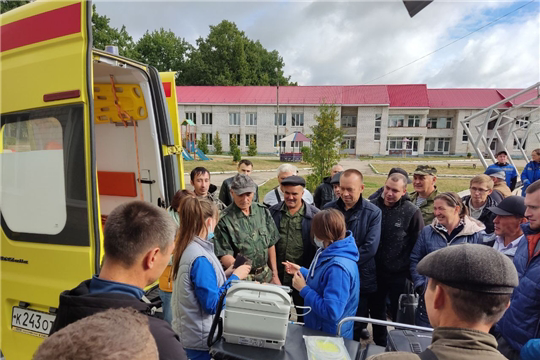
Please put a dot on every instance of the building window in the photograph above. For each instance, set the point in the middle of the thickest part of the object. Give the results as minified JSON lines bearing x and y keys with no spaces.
{"x":439,"y":123}
{"x":282,"y":119}
{"x":516,"y":145}
{"x":251,"y":119}
{"x":348,"y":143}
{"x":491,"y":124}
{"x":413,"y":121}
{"x":397,"y":144}
{"x":396,"y":120}
{"x":191,"y":116}
{"x":234,"y":118}
{"x":250,"y":137}
{"x":464,"y":136}
{"x":208,"y":138}
{"x":236,"y":137}
{"x":377,"y":134}
{"x":437,"y":145}
{"x":297,"y":119}
{"x":523,"y":123}
{"x":276,"y":139}
{"x":348,"y":121}
{"x":297,"y":144}
{"x":206,"y":118}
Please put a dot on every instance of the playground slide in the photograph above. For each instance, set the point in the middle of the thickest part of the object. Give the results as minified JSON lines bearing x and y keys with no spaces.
{"x":201,"y":155}
{"x":186,"y":155}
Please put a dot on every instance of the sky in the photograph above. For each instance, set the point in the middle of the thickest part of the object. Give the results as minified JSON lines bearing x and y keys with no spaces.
{"x":360,"y":42}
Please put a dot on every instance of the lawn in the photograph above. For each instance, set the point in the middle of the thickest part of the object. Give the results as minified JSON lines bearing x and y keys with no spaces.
{"x":413,"y":158}
{"x":461,"y":169}
{"x":226,"y":164}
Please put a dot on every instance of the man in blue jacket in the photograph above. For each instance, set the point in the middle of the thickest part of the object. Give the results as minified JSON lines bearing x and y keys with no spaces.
{"x":509,"y":169}
{"x":531,"y":173}
{"x":521,"y":321}
{"x":363,"y":219}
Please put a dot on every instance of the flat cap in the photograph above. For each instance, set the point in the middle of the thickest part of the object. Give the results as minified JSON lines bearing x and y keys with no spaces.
{"x":425,"y":170}
{"x":471,"y":267}
{"x":335,"y":178}
{"x":400,"y":171}
{"x":512,"y":205}
{"x":242,"y":184}
{"x":294,"y":181}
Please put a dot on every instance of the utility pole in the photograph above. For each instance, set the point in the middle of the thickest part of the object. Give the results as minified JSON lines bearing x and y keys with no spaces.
{"x":277,"y":115}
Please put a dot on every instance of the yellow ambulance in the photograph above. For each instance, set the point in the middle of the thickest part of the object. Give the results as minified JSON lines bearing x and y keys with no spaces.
{"x":81,"y":132}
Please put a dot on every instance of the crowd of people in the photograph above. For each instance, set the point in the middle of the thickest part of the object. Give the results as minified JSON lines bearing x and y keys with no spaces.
{"x":341,"y":253}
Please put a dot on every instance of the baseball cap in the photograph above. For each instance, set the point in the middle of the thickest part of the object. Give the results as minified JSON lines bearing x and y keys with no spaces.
{"x":400,"y":171}
{"x":425,"y":170}
{"x":512,"y":205}
{"x":242,"y":184}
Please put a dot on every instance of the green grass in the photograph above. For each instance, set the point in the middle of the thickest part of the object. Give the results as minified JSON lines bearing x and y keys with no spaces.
{"x":412,"y":158}
{"x":226,"y":164}
{"x":461,"y":169}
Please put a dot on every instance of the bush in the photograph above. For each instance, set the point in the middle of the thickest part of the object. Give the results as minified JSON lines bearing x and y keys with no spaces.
{"x":218,"y":148}
{"x":306,"y":152}
{"x":202,"y":144}
{"x":252,"y":150}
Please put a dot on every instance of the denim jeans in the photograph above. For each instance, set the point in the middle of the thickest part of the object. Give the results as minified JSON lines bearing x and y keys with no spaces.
{"x":166,"y":298}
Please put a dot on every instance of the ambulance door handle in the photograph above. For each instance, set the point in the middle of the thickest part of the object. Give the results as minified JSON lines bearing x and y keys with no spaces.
{"x":160,"y":203}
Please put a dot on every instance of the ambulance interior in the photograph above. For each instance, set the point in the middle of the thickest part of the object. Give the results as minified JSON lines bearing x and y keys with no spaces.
{"x":123,"y":153}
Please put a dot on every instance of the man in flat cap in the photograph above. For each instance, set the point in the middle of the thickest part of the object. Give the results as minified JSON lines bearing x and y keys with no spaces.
{"x":509,"y":169}
{"x":324,"y":193}
{"x":499,"y":182}
{"x":463,"y":308}
{"x":521,"y":321}
{"x":293,"y":218}
{"x":509,"y":216}
{"x":247,"y":228}
{"x":424,"y":179}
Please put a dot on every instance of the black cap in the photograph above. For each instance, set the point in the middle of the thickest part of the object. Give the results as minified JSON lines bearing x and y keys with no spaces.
{"x":400,"y":171}
{"x":471,"y":267}
{"x":335,"y":178}
{"x":502,"y":152}
{"x":294,"y":181}
{"x":512,"y":205}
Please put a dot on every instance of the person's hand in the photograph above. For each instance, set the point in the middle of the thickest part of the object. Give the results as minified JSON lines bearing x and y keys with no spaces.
{"x":291,"y":268}
{"x":275,"y":279}
{"x":229,"y":271}
{"x":298,"y":281}
{"x":242,"y":271}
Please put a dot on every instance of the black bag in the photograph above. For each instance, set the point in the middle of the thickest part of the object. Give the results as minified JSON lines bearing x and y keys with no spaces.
{"x":407,"y":305}
{"x":408,"y":341}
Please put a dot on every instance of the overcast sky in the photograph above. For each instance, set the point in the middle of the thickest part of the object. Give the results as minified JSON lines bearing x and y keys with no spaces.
{"x":357,"y":42}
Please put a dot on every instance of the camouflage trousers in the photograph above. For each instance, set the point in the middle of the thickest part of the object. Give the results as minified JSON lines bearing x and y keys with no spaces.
{"x":265,"y":276}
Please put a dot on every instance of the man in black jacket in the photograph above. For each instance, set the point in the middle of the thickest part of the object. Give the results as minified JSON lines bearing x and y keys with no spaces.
{"x":363,"y":219}
{"x":139,"y":240}
{"x":480,"y":200}
{"x":401,"y":224}
{"x":325,"y":191}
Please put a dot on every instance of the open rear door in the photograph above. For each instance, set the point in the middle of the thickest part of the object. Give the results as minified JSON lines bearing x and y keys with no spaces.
{"x":47,"y":170}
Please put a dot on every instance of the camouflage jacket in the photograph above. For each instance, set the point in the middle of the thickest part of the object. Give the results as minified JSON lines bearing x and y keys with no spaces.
{"x":427,"y":207}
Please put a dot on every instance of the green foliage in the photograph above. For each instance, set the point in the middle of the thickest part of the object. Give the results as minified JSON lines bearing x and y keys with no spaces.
{"x":306,"y":152}
{"x":162,"y":49}
{"x":103,"y":34}
{"x":228,"y":57}
{"x":6,"y":5}
{"x":234,"y":150}
{"x":252,"y":149}
{"x":218,"y":147}
{"x":202,"y":144}
{"x":325,"y":145}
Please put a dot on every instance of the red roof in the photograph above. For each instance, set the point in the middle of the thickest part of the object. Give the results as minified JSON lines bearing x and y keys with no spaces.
{"x":415,"y":96}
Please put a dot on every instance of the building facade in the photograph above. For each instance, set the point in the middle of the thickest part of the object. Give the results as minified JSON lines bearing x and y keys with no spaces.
{"x":377,"y":120}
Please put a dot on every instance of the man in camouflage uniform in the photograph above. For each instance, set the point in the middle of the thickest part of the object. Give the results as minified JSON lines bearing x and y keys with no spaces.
{"x":293,"y":219}
{"x":200,"y":180}
{"x":247,"y":228}
{"x":425,"y":177}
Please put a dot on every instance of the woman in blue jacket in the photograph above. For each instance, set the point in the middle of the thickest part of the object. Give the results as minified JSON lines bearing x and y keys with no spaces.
{"x":531,"y":173}
{"x":331,"y":285}
{"x":451,"y":226}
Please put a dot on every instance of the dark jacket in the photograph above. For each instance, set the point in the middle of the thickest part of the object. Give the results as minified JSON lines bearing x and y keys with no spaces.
{"x":487,"y":216}
{"x":530,"y":174}
{"x":309,"y":247}
{"x":510,"y":172}
{"x":400,"y":227}
{"x":225,"y":192}
{"x":324,"y":193}
{"x":521,"y":321}
{"x":332,"y":287}
{"x":79,"y":303}
{"x":365,"y":224}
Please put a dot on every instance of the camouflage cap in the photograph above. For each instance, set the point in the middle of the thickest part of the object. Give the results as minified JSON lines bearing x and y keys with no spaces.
{"x":425,"y":170}
{"x":242,"y":184}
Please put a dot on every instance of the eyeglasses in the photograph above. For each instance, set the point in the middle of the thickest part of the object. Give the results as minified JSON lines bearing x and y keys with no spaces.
{"x":474,"y":189}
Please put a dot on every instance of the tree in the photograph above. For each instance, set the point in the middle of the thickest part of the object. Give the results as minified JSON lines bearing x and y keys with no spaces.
{"x":325,"y":145}
{"x":252,"y":149}
{"x":103,"y":34}
{"x":218,"y":148}
{"x":228,"y":57}
{"x":162,"y":49}
{"x":6,"y":5}
{"x":234,"y":150}
{"x":202,"y":144}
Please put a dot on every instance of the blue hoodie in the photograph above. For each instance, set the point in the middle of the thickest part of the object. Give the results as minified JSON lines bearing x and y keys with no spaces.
{"x":333,"y":287}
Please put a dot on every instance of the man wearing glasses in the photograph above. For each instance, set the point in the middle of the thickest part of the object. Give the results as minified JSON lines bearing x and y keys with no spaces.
{"x":479,"y":201}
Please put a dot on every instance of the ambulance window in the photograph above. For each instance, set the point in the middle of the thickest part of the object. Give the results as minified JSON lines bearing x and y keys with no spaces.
{"x":42,"y":176}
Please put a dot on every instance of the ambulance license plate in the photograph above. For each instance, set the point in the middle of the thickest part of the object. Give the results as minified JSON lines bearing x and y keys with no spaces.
{"x":32,"y":322}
